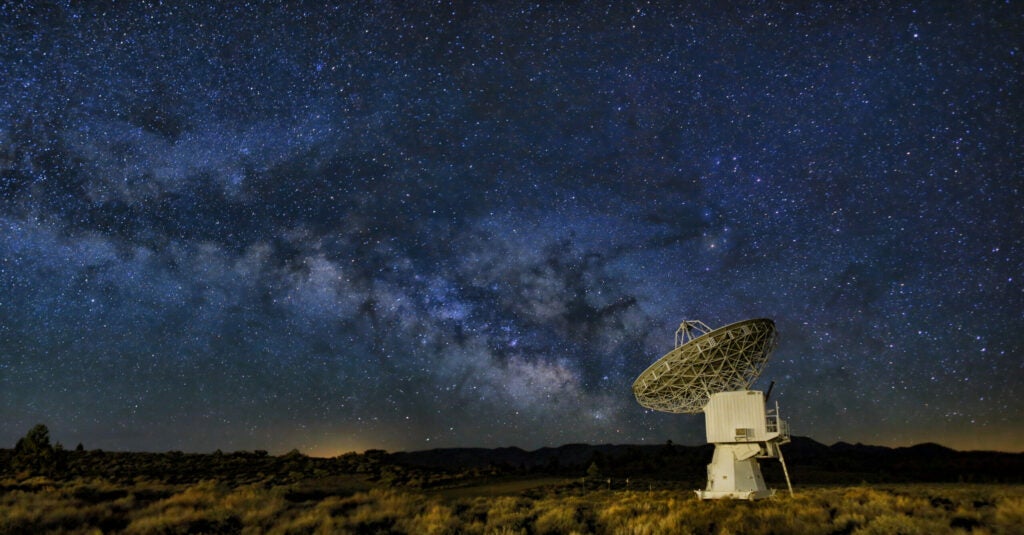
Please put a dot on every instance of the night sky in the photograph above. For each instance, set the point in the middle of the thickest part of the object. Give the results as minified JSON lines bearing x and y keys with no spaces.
{"x":404,"y":228}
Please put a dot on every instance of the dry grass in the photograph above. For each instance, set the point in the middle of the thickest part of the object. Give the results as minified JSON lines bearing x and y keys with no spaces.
{"x":98,"y":506}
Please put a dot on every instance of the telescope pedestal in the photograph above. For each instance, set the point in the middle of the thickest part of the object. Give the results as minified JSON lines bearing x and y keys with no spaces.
{"x":734,"y":473}
{"x":742,"y":430}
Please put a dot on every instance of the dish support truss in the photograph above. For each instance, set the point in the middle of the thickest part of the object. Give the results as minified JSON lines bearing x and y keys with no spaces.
{"x":704,"y":362}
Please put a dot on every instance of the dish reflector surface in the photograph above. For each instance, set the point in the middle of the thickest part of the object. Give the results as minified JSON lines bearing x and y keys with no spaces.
{"x":726,"y":359}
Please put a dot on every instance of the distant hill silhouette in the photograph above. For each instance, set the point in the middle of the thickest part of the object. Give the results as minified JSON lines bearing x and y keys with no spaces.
{"x":808,"y":461}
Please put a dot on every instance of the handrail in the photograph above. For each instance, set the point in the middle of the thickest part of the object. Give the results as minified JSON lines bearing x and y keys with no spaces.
{"x":775,"y":424}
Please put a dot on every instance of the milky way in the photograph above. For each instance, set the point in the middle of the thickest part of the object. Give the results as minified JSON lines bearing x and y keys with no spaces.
{"x":379,"y":226}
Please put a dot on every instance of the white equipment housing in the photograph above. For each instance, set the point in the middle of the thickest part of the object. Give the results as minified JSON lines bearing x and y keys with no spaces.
{"x":742,"y":431}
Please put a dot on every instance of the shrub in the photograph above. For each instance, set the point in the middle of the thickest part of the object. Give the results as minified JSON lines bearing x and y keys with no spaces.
{"x":194,"y":510}
{"x":434,"y":519}
{"x":559,"y":517}
{"x":505,"y":514}
{"x":1009,"y":515}
{"x":891,"y":523}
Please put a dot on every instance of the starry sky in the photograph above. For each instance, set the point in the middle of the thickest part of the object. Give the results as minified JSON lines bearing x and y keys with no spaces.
{"x":249,"y":226}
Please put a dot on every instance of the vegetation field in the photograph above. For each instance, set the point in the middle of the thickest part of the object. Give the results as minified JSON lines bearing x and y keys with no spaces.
{"x":40,"y":505}
{"x":45,"y":488}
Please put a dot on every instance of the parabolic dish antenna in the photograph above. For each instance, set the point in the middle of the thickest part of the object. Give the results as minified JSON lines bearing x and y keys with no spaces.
{"x":710,"y":371}
{"x":705,"y":362}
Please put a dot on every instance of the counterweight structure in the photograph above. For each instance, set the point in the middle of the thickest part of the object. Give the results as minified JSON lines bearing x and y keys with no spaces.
{"x":711,"y":371}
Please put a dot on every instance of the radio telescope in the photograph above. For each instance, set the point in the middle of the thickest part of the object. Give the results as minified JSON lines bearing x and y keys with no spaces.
{"x":710,"y":371}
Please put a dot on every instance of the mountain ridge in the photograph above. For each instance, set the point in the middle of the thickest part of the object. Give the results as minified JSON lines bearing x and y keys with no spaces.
{"x":840,"y":462}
